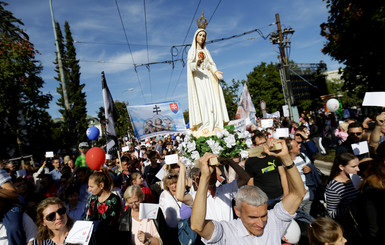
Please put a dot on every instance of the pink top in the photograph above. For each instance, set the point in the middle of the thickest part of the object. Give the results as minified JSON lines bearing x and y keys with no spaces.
{"x":341,"y":134}
{"x":146,"y":225}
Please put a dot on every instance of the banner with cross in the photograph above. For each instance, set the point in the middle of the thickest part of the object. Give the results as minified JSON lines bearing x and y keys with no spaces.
{"x":156,"y":119}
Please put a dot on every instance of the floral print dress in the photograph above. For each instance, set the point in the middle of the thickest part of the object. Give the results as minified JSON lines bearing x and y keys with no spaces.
{"x":107,"y":211}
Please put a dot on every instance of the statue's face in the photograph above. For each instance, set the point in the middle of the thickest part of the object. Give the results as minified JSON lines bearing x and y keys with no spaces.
{"x":201,"y":37}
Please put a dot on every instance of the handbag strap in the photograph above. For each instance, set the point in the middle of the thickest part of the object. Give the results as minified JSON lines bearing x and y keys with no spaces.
{"x":174,"y":199}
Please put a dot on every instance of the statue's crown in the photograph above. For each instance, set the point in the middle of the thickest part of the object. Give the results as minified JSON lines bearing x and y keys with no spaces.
{"x":202,"y":22}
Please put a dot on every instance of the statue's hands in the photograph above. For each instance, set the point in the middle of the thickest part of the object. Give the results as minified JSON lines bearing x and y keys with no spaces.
{"x":219,"y":74}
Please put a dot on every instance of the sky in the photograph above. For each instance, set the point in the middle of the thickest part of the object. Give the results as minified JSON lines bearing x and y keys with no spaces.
{"x":113,"y":35}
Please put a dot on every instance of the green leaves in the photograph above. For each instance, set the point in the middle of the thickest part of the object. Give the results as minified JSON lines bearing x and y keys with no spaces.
{"x":351,"y":34}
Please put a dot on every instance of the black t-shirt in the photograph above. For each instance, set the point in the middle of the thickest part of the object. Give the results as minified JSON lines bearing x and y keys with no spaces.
{"x":150,"y":172}
{"x":265,"y":174}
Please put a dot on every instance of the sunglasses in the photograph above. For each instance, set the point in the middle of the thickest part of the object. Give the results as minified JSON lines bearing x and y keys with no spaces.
{"x":172,"y":176}
{"x":52,"y":216}
{"x":358,"y":134}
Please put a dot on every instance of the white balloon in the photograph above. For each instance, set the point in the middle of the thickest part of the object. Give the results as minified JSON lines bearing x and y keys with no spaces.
{"x":293,"y":233}
{"x":332,"y":105}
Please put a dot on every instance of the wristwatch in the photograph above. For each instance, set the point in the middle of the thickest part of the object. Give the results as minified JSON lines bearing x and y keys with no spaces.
{"x":148,"y":241}
{"x":290,"y":166}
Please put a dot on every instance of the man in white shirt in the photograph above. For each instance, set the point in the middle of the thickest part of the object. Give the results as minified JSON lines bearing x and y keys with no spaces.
{"x":219,"y":199}
{"x":256,"y":225}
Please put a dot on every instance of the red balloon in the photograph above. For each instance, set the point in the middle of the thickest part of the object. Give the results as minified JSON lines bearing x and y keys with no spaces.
{"x":95,"y":158}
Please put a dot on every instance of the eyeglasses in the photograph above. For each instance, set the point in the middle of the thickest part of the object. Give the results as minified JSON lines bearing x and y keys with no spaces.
{"x":172,"y":176}
{"x":353,"y":133}
{"x":52,"y":216}
{"x":133,"y":203}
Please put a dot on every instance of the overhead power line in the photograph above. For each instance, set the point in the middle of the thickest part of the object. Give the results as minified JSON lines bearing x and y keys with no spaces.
{"x":129,"y":48}
{"x":184,"y":40}
{"x":148,"y":53}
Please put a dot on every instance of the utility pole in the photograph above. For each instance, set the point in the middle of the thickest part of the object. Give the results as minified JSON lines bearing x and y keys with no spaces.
{"x":284,"y":42}
{"x":59,"y":60}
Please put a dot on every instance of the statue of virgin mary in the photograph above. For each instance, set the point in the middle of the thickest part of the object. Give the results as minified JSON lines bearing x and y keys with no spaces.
{"x":207,"y":107}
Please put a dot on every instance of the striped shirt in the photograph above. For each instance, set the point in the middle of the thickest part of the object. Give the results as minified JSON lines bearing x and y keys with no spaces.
{"x":339,"y":196}
{"x":44,"y":242}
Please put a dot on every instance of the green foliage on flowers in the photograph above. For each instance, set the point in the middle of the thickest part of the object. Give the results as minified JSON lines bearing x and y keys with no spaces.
{"x":228,"y":143}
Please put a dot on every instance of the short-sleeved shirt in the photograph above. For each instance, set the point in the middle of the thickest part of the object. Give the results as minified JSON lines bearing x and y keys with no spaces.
{"x":220,"y":207}
{"x":150,"y":172}
{"x":234,"y":232}
{"x":170,"y":208}
{"x":81,"y":161}
{"x":266,"y":175}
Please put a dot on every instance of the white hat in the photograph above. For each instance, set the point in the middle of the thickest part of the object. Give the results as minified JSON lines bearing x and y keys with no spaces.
{"x":83,"y":144}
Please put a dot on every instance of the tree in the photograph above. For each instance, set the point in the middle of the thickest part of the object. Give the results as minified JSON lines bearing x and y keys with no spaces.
{"x":25,"y":123}
{"x":353,"y":38}
{"x":264,"y":83}
{"x":75,"y":119}
{"x":122,"y":123}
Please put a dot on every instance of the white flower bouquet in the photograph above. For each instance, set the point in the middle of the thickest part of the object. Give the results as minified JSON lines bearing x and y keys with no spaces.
{"x":227,"y":143}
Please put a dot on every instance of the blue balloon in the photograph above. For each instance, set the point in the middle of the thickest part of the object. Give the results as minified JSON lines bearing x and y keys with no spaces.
{"x":92,"y":133}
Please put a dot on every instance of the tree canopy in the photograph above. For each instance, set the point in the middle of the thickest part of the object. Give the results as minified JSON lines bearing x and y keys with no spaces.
{"x":75,"y":119}
{"x":353,"y":32}
{"x":26,"y":125}
{"x":264,"y":83}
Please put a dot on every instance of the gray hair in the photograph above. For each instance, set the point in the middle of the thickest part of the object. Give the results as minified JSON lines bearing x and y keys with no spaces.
{"x":132,"y":191}
{"x":251,"y":195}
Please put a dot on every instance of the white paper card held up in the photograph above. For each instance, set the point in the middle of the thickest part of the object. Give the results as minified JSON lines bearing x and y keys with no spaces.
{"x":49,"y":154}
{"x":148,"y":210}
{"x":267,"y":123}
{"x":125,"y":148}
{"x":146,"y":163}
{"x":171,"y":159}
{"x":80,"y":232}
{"x":360,"y":148}
{"x":160,"y":174}
{"x":282,"y":132}
{"x":374,"y":99}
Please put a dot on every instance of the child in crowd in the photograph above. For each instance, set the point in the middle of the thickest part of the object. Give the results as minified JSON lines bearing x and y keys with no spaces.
{"x":342,"y":132}
{"x":323,"y":231}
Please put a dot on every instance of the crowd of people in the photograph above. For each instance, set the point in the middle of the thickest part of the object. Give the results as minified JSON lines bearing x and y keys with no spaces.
{"x":246,"y":201}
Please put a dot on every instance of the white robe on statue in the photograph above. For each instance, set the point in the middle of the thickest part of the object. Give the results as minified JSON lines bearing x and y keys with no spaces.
{"x":207,"y":107}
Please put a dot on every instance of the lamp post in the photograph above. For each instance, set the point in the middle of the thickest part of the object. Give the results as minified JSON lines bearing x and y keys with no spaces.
{"x":282,"y":39}
{"x":59,"y":60}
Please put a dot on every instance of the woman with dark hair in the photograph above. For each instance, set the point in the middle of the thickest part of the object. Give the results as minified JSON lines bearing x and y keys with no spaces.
{"x":340,"y":193}
{"x":52,"y":221}
{"x":373,"y":199}
{"x":324,"y":231}
{"x":103,"y":206}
